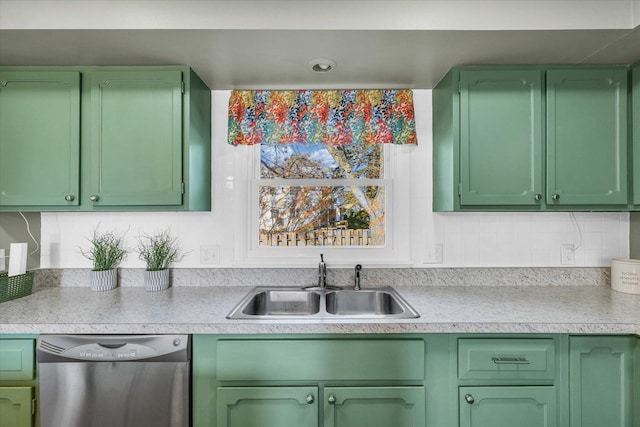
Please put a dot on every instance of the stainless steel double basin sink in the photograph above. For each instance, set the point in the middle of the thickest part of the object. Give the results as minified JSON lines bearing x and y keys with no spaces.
{"x":322,"y":303}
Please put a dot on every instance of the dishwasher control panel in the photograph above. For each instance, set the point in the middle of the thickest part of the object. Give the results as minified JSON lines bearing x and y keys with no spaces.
{"x":112,"y":348}
{"x":98,"y":351}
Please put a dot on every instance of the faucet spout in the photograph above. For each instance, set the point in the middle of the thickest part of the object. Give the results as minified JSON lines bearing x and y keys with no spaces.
{"x":356,"y":284}
{"x":322,"y":273}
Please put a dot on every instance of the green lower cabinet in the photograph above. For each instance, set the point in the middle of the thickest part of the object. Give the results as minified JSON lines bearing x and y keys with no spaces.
{"x":601,"y":386}
{"x":15,"y":406}
{"x":267,"y":407}
{"x":17,"y":359}
{"x":508,"y":406}
{"x":374,"y":407}
{"x":416,"y":380}
{"x":299,"y":406}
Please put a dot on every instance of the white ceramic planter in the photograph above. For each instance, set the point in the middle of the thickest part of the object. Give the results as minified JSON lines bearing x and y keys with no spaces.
{"x":104,"y":280}
{"x":157,"y":280}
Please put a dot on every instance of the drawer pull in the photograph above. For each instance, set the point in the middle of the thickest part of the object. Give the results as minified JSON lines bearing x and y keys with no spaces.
{"x":310,"y":398}
{"x":510,"y":360}
{"x":469,"y":398}
{"x":331,"y":399}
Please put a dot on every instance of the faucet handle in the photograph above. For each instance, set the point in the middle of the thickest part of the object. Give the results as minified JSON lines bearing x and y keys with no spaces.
{"x":356,"y":284}
{"x":322,"y":272}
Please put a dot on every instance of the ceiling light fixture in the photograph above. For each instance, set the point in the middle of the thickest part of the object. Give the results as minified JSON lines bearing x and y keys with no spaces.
{"x":321,"y":65}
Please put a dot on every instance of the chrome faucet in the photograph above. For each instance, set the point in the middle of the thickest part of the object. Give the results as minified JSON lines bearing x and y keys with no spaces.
{"x":356,"y":284}
{"x":322,"y":273}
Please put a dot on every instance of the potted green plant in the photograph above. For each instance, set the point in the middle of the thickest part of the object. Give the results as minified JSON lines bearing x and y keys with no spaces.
{"x":107,"y":251}
{"x":158,"y":251}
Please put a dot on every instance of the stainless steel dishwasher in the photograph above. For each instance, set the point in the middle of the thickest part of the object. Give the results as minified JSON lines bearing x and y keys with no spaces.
{"x":114,"y":380}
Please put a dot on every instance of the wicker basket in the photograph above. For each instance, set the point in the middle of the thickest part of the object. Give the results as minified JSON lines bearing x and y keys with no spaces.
{"x":15,"y":286}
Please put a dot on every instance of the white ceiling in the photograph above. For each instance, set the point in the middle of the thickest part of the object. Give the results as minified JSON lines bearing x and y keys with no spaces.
{"x":268,"y":44}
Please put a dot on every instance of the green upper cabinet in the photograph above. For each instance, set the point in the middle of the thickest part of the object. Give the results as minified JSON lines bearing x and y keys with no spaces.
{"x":531,"y":138}
{"x":134,"y":138}
{"x":635,"y":129}
{"x":39,"y":138}
{"x":500,"y":137}
{"x":587,"y":137}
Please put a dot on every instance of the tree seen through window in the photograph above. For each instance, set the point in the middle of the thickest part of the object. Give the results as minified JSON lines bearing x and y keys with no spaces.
{"x":321,"y":195}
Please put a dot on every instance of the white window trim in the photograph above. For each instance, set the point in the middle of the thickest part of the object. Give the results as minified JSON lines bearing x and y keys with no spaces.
{"x":395,"y":252}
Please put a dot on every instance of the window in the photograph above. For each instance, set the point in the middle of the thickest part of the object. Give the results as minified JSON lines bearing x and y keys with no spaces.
{"x":323,"y":173}
{"x":321,"y":195}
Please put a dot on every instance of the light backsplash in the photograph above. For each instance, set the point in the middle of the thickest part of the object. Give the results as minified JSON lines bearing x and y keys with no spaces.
{"x":344,"y":277}
{"x":466,"y":239}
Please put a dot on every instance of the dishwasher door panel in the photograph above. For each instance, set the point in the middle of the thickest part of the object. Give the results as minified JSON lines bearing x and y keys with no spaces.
{"x":108,"y":394}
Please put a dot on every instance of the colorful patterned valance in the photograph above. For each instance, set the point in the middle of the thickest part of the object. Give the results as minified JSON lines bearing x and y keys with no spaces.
{"x":336,"y":117}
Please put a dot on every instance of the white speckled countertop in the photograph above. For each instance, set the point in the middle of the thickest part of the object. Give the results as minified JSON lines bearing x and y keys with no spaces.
{"x":443,"y":309}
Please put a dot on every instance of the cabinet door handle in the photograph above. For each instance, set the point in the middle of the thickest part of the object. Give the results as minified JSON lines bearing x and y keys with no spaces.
{"x":331,"y":399}
{"x":69,"y":197}
{"x":538,"y":196}
{"x":510,"y":360}
{"x":469,"y":398}
{"x":94,"y":198}
{"x":310,"y":398}
{"x":556,"y":196}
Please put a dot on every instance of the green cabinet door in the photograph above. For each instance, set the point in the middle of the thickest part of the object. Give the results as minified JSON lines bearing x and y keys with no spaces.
{"x":136,"y":138}
{"x":587,"y":137}
{"x":601,"y":381}
{"x":503,"y":406}
{"x":374,"y":407}
{"x":39,"y":138}
{"x":267,"y":407}
{"x":15,"y":406}
{"x":501,"y":137}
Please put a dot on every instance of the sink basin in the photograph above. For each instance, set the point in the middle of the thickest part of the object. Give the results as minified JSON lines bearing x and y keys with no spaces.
{"x":282,"y":303}
{"x":317,"y":303}
{"x":362,"y":303}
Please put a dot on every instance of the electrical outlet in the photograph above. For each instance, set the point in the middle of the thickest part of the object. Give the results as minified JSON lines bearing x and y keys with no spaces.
{"x":434,"y":254}
{"x":567,"y":254}
{"x":209,"y":254}
{"x":3,"y":266}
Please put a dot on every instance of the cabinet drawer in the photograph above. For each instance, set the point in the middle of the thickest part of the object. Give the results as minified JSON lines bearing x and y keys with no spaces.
{"x":301,"y":360}
{"x":16,"y":359}
{"x":506,"y":359}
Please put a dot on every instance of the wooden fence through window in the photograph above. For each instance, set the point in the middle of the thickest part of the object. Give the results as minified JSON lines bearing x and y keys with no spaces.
{"x":327,"y":237}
